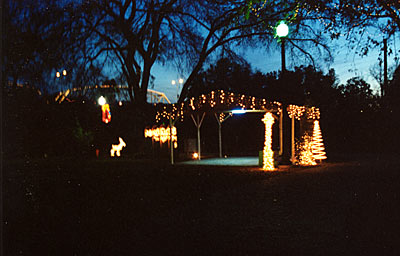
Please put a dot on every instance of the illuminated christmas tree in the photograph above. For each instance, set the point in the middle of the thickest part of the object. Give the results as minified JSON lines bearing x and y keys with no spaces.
{"x":305,"y":155}
{"x":318,"y":148}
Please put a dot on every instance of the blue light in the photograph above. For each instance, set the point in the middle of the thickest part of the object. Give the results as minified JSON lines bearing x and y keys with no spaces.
{"x":238,"y":111}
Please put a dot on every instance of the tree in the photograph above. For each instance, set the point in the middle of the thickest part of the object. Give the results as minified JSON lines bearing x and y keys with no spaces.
{"x":356,"y":88}
{"x":393,"y":92}
{"x":358,"y":21}
{"x":132,"y":35}
{"x":227,"y":75}
{"x":138,"y":33}
{"x":230,"y":24}
{"x":40,"y":38}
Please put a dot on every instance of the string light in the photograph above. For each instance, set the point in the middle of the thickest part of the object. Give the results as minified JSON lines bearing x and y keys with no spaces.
{"x":298,"y":111}
{"x":318,"y":148}
{"x":216,"y":101}
{"x":268,"y":154}
{"x":305,"y":154}
{"x":162,"y":134}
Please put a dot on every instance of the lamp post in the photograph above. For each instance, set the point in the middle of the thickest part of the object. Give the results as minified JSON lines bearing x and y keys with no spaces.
{"x":282,"y":31}
{"x":101,"y":101}
{"x":180,"y":82}
{"x":63,"y":73}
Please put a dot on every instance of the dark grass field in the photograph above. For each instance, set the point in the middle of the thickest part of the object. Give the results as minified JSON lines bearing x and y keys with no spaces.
{"x":77,"y":207}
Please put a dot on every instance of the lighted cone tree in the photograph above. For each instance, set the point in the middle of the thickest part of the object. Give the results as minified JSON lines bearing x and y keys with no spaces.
{"x":318,"y":148}
{"x":268,"y":154}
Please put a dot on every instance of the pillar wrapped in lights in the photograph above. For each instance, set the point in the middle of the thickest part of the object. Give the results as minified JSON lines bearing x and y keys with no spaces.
{"x":318,"y":148}
{"x":268,"y":154}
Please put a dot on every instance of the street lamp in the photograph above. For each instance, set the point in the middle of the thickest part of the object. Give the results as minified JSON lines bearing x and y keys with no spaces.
{"x":282,"y":31}
{"x":180,"y":82}
{"x":101,"y":101}
{"x":58,"y":75}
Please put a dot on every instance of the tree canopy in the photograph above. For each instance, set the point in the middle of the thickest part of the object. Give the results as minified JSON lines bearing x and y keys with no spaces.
{"x":123,"y":39}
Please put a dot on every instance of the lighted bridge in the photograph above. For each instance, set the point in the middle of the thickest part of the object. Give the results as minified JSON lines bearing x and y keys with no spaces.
{"x":120,"y":91}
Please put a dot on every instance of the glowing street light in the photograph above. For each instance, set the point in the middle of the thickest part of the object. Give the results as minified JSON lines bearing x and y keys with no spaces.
{"x":282,"y":31}
{"x":58,"y":74}
{"x":180,"y":82}
{"x":102,"y":101}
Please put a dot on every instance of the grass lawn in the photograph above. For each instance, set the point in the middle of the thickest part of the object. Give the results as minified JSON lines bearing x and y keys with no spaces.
{"x":77,"y":207}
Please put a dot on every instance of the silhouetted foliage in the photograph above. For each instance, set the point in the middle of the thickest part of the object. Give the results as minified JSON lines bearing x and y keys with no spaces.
{"x":226,"y":75}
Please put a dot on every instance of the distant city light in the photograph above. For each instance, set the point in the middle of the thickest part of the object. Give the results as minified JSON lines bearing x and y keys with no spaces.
{"x":195,"y":155}
{"x":64,"y":72}
{"x":173,"y":82}
{"x":58,"y":74}
{"x":180,"y":80}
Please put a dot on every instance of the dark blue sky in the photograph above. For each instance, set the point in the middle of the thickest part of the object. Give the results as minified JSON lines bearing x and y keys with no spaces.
{"x":347,"y":64}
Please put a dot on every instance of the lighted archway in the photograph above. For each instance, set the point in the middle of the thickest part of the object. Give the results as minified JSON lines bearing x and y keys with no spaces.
{"x":222,"y":105}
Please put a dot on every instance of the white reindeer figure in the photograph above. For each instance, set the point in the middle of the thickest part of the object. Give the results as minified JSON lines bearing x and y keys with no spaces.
{"x":116,"y":149}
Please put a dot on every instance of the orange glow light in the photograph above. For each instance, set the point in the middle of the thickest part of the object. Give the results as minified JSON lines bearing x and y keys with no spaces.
{"x":106,"y":113}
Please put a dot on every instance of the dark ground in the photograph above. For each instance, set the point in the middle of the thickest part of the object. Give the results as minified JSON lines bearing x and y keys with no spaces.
{"x":124,"y":207}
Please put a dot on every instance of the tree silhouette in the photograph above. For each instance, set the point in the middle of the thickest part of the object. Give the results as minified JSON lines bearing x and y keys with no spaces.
{"x":41,"y":38}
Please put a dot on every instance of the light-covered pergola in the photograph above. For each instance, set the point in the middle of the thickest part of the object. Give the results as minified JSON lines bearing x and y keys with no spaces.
{"x":222,"y":105}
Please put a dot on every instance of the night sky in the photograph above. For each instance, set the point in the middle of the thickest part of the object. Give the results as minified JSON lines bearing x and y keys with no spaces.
{"x":347,"y":64}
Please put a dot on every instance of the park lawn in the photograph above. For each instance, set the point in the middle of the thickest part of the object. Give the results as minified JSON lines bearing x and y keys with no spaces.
{"x":111,"y":207}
